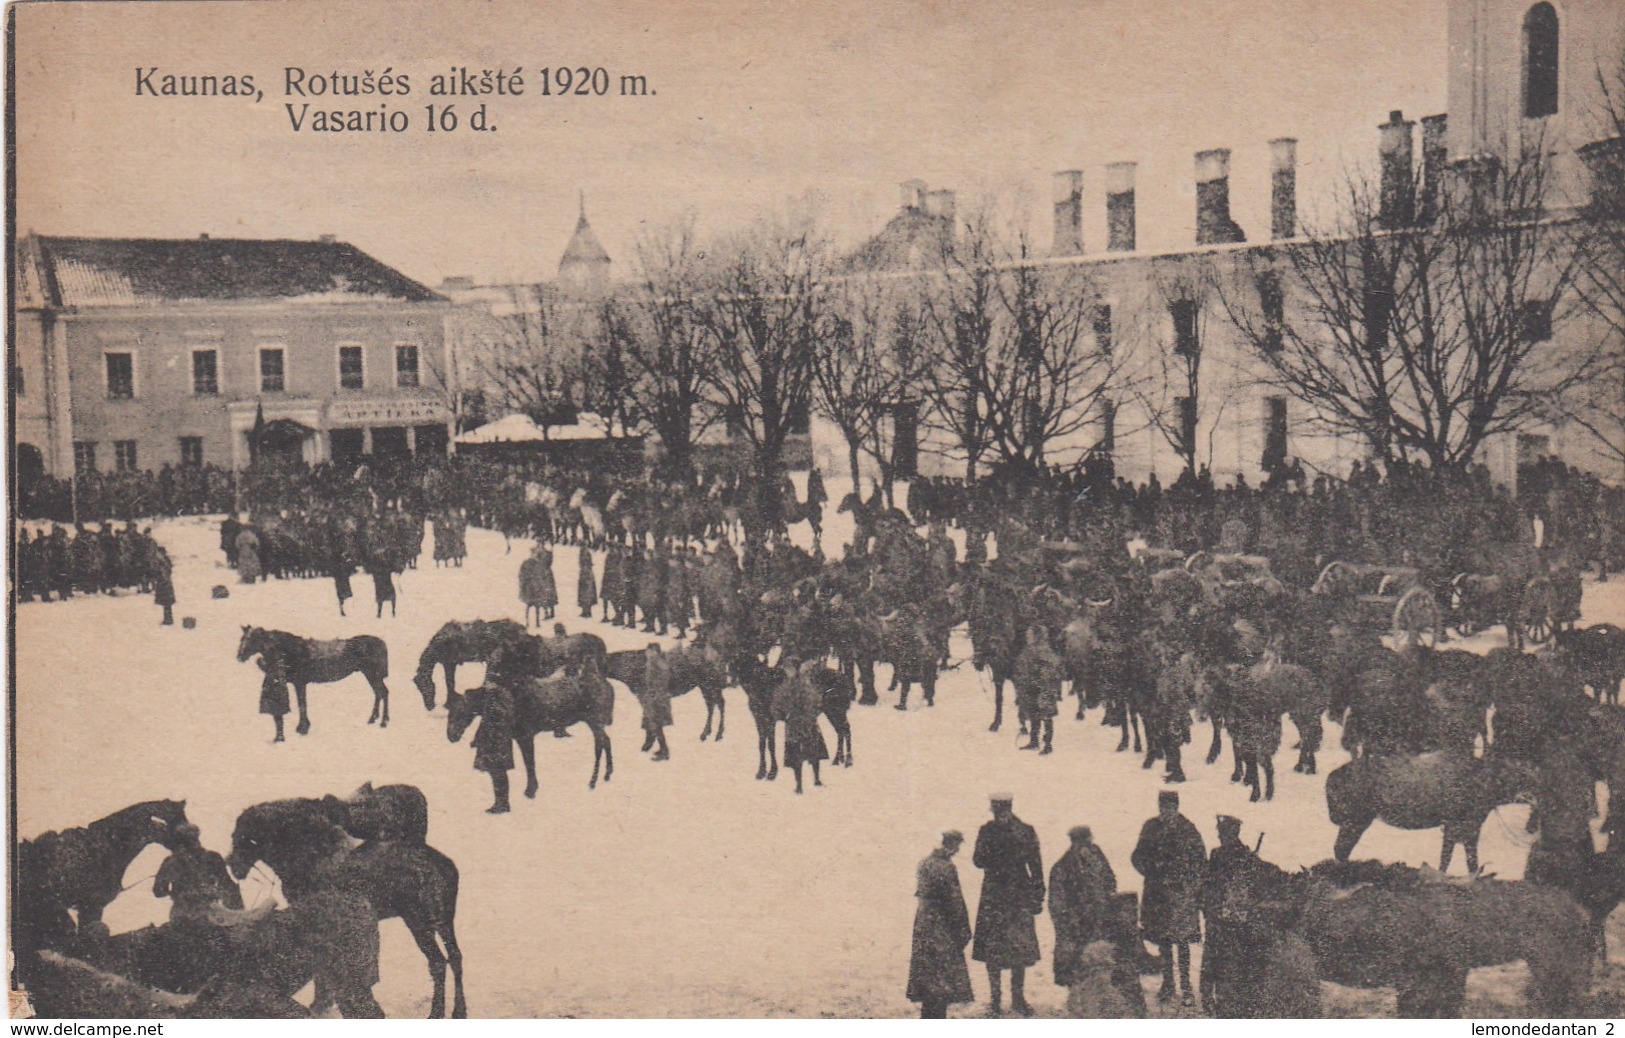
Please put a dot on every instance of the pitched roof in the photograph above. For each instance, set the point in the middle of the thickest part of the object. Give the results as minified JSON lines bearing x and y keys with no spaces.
{"x":911,"y":239}
{"x":92,"y":272}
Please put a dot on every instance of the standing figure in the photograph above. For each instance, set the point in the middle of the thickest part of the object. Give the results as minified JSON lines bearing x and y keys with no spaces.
{"x":248,"y":555}
{"x":586,"y":586}
{"x":1081,"y":885}
{"x":657,"y":679}
{"x":493,"y":744}
{"x":341,"y":560}
{"x":163,"y":584}
{"x":612,"y":583}
{"x":1038,"y":679}
{"x":537,"y":588}
{"x":229,"y":529}
{"x":1172,"y":858}
{"x":274,"y":694}
{"x":383,"y":584}
{"x":651,"y":589}
{"x":797,"y":703}
{"x":937,"y":975}
{"x":1229,"y":859}
{"x":1012,"y":894}
{"x":195,"y":880}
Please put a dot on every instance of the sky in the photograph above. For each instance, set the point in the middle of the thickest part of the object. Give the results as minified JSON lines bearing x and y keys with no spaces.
{"x":749,"y":104}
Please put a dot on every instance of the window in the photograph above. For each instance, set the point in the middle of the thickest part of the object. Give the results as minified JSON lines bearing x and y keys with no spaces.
{"x":124,"y":455}
{"x":1272,"y":301}
{"x":192,"y":452}
{"x":1540,"y":62}
{"x":273,"y":376}
{"x":1274,"y":433}
{"x":1103,"y":329}
{"x":351,"y":375}
{"x":120,"y":375}
{"x":406,"y":366}
{"x":1535,"y":321}
{"x":1186,"y":406}
{"x":1186,"y":341}
{"x":19,"y":380}
{"x":205,"y":372}
{"x":346,"y":445}
{"x":84,"y":457}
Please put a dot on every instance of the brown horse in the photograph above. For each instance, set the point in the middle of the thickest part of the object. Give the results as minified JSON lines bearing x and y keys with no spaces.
{"x":549,"y":704}
{"x":306,"y":661}
{"x":1370,"y":925}
{"x":696,"y":666}
{"x":1426,"y":791}
{"x":458,"y":642}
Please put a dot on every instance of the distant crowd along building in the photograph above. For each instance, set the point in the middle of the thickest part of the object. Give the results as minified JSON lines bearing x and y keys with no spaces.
{"x":1518,"y":73}
{"x":135,"y":353}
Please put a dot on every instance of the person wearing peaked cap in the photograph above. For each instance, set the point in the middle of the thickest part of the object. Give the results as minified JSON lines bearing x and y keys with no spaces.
{"x":1081,"y":885}
{"x":1172,"y":858}
{"x":937,"y":975}
{"x":1012,"y":894}
{"x":1228,"y":860}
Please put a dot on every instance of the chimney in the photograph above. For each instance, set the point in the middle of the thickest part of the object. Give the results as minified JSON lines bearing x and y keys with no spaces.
{"x":1283,"y":188}
{"x":457,"y":283}
{"x":204,"y":236}
{"x":940,"y":203}
{"x":1397,"y":151}
{"x":1435,"y":157}
{"x":913,"y":192}
{"x":1120,"y":207}
{"x":328,"y":239}
{"x":1068,"y":213}
{"x":1213,"y":223}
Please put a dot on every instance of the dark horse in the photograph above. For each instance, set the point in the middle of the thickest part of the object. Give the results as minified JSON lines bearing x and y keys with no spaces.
{"x":80,"y":871}
{"x":304,"y":661}
{"x":693,"y":667}
{"x":549,"y":704}
{"x":760,"y":682}
{"x":1370,"y":925}
{"x":313,"y":857}
{"x":460,"y":641}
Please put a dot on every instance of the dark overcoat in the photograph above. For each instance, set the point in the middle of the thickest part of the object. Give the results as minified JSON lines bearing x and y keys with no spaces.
{"x":586,"y":586}
{"x":936,"y":965}
{"x":1081,"y":884}
{"x":657,"y":682}
{"x":536,"y":584}
{"x":1038,"y":679}
{"x":273,"y":690}
{"x":493,"y":742}
{"x":1012,"y":893}
{"x":798,"y":702}
{"x":1173,"y":860}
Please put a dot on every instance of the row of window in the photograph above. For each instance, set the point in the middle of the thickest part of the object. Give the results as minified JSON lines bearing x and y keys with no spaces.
{"x":125,"y":457}
{"x":273,"y":370}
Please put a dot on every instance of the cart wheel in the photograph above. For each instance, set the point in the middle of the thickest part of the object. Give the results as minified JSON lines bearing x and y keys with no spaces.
{"x":1538,"y":610}
{"x":1198,"y":561}
{"x":1417,"y":619}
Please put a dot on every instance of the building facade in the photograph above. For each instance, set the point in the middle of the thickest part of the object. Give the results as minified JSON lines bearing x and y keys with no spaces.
{"x":131,"y":354}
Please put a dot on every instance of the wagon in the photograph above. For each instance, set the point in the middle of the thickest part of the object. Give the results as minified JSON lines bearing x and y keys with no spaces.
{"x":1526,"y":591}
{"x":1394,"y":599}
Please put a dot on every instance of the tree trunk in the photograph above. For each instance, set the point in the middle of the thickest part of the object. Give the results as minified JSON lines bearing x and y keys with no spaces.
{"x":852,"y":460}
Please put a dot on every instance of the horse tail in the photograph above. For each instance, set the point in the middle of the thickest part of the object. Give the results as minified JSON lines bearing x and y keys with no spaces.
{"x":376,"y":653}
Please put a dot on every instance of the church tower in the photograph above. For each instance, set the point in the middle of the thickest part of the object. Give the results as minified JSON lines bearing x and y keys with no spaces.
{"x":584,"y":267}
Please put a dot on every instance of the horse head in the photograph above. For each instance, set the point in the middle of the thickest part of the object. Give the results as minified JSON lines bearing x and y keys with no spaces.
{"x":290,"y":836}
{"x":158,"y":821}
{"x":461,"y":709}
{"x":250,"y":643}
{"x":1256,"y":894}
{"x":424,"y":680}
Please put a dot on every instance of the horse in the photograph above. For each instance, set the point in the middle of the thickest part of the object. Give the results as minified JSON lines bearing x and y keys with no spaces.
{"x":64,"y":986}
{"x":1595,"y":880}
{"x":1597,"y":656}
{"x":306,"y":661}
{"x":312,"y":857}
{"x":329,"y":937}
{"x":457,"y":642}
{"x":537,"y":656}
{"x":393,"y":812}
{"x":695,"y":666}
{"x":81,"y":871}
{"x":1370,"y":925}
{"x":548,"y":704}
{"x":995,"y":634}
{"x":760,"y":682}
{"x":1441,"y":789}
{"x":912,"y":652}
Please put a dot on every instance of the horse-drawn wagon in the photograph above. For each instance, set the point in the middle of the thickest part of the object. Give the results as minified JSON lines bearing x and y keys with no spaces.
{"x":1376,"y":598}
{"x":1521,"y":588}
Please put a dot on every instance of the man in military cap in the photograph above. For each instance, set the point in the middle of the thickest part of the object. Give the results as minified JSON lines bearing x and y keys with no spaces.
{"x":1012,"y":894}
{"x":1081,"y":884}
{"x":1228,"y":859}
{"x":1171,"y":857}
{"x":936,"y":968}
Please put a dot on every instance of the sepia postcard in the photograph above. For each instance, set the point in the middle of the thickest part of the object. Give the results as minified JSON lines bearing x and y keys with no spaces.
{"x":843,"y":509}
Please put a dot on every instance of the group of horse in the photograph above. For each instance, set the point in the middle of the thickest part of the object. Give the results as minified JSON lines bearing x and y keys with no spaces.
{"x":344,"y":864}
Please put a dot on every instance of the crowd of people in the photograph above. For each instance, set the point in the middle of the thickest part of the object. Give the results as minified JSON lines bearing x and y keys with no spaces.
{"x":103,"y":561}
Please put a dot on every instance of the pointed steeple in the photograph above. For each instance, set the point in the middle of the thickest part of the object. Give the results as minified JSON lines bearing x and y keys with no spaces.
{"x":584,"y":265}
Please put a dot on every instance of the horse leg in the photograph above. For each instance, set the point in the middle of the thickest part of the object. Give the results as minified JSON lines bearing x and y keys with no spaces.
{"x":817,"y":781}
{"x":1348,"y":834}
{"x":1268,"y":764}
{"x":929,"y":684}
{"x":998,"y":704}
{"x":722,"y":713}
{"x":381,"y":693}
{"x":451,"y":678}
{"x":762,"y":738}
{"x":845,"y":732}
{"x":1122,"y":744}
{"x":902,"y":699}
{"x":1214,"y":750}
{"x":1134,"y":721}
{"x":609,"y":752}
{"x":423,"y":934}
{"x":527,"y":750}
{"x":454,"y":957}
{"x":304,"y":718}
{"x":797,"y":768}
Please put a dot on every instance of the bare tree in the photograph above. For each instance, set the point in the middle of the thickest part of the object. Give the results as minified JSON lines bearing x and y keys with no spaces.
{"x":764,"y":315}
{"x":607,"y":374}
{"x":527,"y":355}
{"x":1422,"y":338}
{"x":1017,"y":371}
{"x":1170,"y":392}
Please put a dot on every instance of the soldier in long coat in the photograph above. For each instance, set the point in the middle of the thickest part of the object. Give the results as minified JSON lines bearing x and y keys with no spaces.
{"x":163,"y":585}
{"x":1012,"y":894}
{"x":679,"y":604}
{"x":1038,"y":679}
{"x":274,"y":694}
{"x":631,"y":578}
{"x":493,"y":744}
{"x":586,"y":585}
{"x":1081,"y":885}
{"x":1172,"y":858}
{"x":937,"y":975}
{"x":797,"y":703}
{"x":651,"y":592}
{"x":612,"y":582}
{"x":656,"y":701}
{"x":1230,"y":858}
{"x":195,"y":880}
{"x":537,"y":588}
{"x":248,"y":555}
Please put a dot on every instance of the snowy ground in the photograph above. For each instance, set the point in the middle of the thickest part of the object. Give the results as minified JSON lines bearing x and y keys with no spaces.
{"x":683,"y":888}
